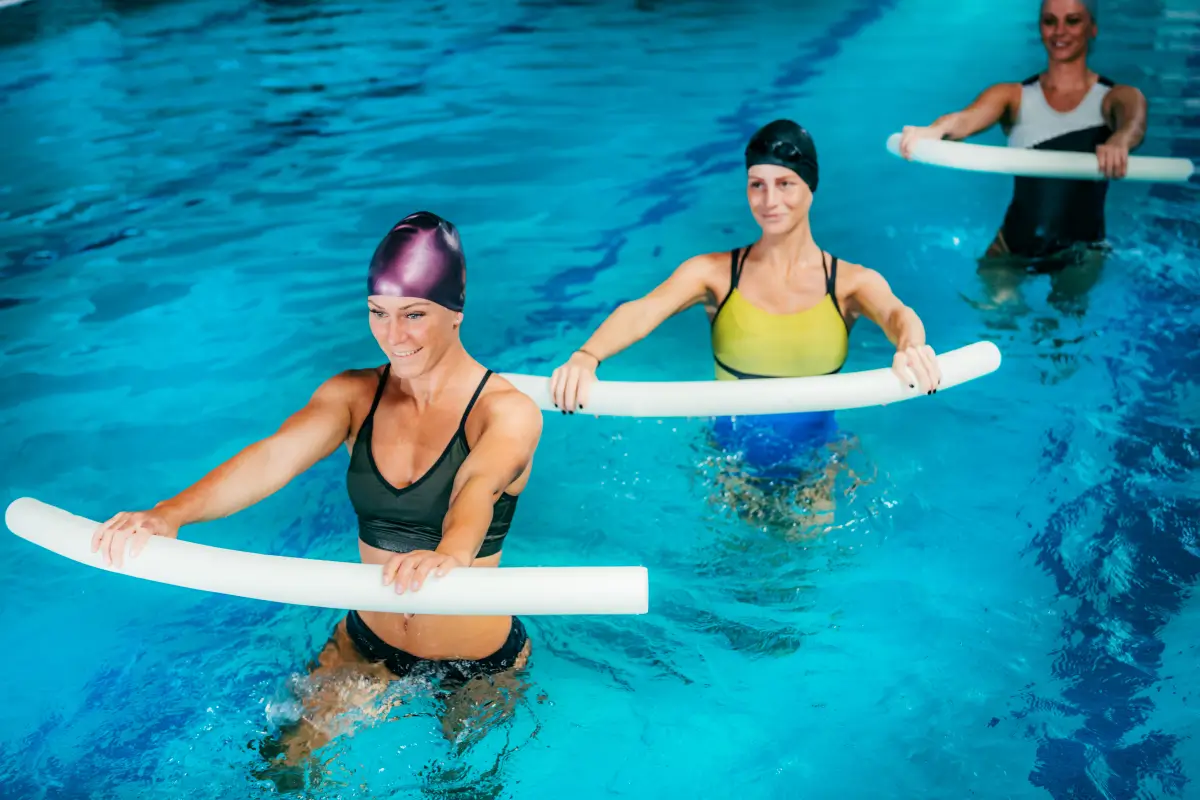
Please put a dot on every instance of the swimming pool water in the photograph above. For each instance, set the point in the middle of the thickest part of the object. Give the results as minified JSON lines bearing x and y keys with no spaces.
{"x":189,"y":192}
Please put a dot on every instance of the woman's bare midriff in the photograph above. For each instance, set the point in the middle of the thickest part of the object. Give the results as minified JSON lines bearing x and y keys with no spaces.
{"x":434,"y":636}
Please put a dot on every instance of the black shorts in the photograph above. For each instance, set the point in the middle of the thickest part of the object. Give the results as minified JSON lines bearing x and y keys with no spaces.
{"x":459,"y":671}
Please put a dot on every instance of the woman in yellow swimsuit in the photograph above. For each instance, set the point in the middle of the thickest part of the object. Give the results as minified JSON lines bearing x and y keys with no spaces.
{"x":782,"y":307}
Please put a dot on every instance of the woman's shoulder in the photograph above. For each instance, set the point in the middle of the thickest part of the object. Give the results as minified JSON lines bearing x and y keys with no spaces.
{"x":359,"y":375}
{"x":848,"y":270}
{"x":502,"y":403}
{"x":353,"y":384}
{"x":852,"y":276}
{"x":501,"y":396}
{"x":708,"y":265}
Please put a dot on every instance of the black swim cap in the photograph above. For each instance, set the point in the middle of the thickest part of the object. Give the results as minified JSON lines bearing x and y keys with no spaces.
{"x":784,"y":144}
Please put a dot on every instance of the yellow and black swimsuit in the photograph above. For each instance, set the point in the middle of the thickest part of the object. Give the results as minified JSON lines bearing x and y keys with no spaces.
{"x":748,"y":342}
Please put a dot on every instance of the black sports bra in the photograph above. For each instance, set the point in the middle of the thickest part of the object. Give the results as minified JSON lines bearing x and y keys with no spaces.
{"x":411,"y":518}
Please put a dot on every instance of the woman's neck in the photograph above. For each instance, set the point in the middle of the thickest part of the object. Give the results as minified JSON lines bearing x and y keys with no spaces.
{"x":446,"y":374}
{"x":794,"y":249}
{"x":1067,"y":75}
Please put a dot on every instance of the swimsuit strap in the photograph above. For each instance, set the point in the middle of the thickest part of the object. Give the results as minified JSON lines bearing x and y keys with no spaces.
{"x":830,"y":271}
{"x":735,"y":272}
{"x":735,"y":266}
{"x":831,"y":282}
{"x":462,"y":425}
{"x":383,"y":376}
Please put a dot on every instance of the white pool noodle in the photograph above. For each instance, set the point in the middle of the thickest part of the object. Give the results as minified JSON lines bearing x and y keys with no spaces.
{"x":773,"y":396}
{"x":337,"y":584}
{"x":1038,"y":163}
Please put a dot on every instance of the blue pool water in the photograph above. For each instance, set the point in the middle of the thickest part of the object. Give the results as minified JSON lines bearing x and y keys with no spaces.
{"x":1001,"y":606}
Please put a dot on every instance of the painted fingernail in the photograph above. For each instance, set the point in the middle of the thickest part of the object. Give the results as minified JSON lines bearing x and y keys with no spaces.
{"x":912,"y":386}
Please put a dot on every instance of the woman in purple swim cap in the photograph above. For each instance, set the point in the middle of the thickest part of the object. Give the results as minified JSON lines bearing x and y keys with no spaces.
{"x":440,"y":448}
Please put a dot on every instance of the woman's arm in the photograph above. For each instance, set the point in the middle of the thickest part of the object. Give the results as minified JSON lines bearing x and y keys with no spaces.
{"x":992,"y":105}
{"x":631,"y":322}
{"x":1126,"y":109}
{"x":512,"y":426}
{"x":258,"y":471}
{"x":914,"y":363}
{"x":265,"y":467}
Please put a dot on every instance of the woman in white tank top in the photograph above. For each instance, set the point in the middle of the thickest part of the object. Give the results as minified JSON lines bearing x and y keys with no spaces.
{"x":1066,"y":107}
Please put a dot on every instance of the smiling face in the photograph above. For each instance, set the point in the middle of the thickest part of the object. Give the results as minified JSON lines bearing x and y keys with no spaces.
{"x":778,"y":198}
{"x":413,"y":333}
{"x":1067,"y":29}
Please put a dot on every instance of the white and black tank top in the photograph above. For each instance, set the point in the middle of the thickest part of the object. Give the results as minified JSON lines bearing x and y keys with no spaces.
{"x":1048,"y":215}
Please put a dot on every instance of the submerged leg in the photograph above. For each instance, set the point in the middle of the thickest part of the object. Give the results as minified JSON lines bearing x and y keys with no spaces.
{"x":475,"y":707}
{"x":1070,"y":286}
{"x":340,"y":680}
{"x":1002,"y":275}
{"x":789,"y":496}
{"x":814,"y":503}
{"x":1002,"y":285}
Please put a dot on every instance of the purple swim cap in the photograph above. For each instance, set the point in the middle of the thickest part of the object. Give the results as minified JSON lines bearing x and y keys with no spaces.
{"x":420,"y":257}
